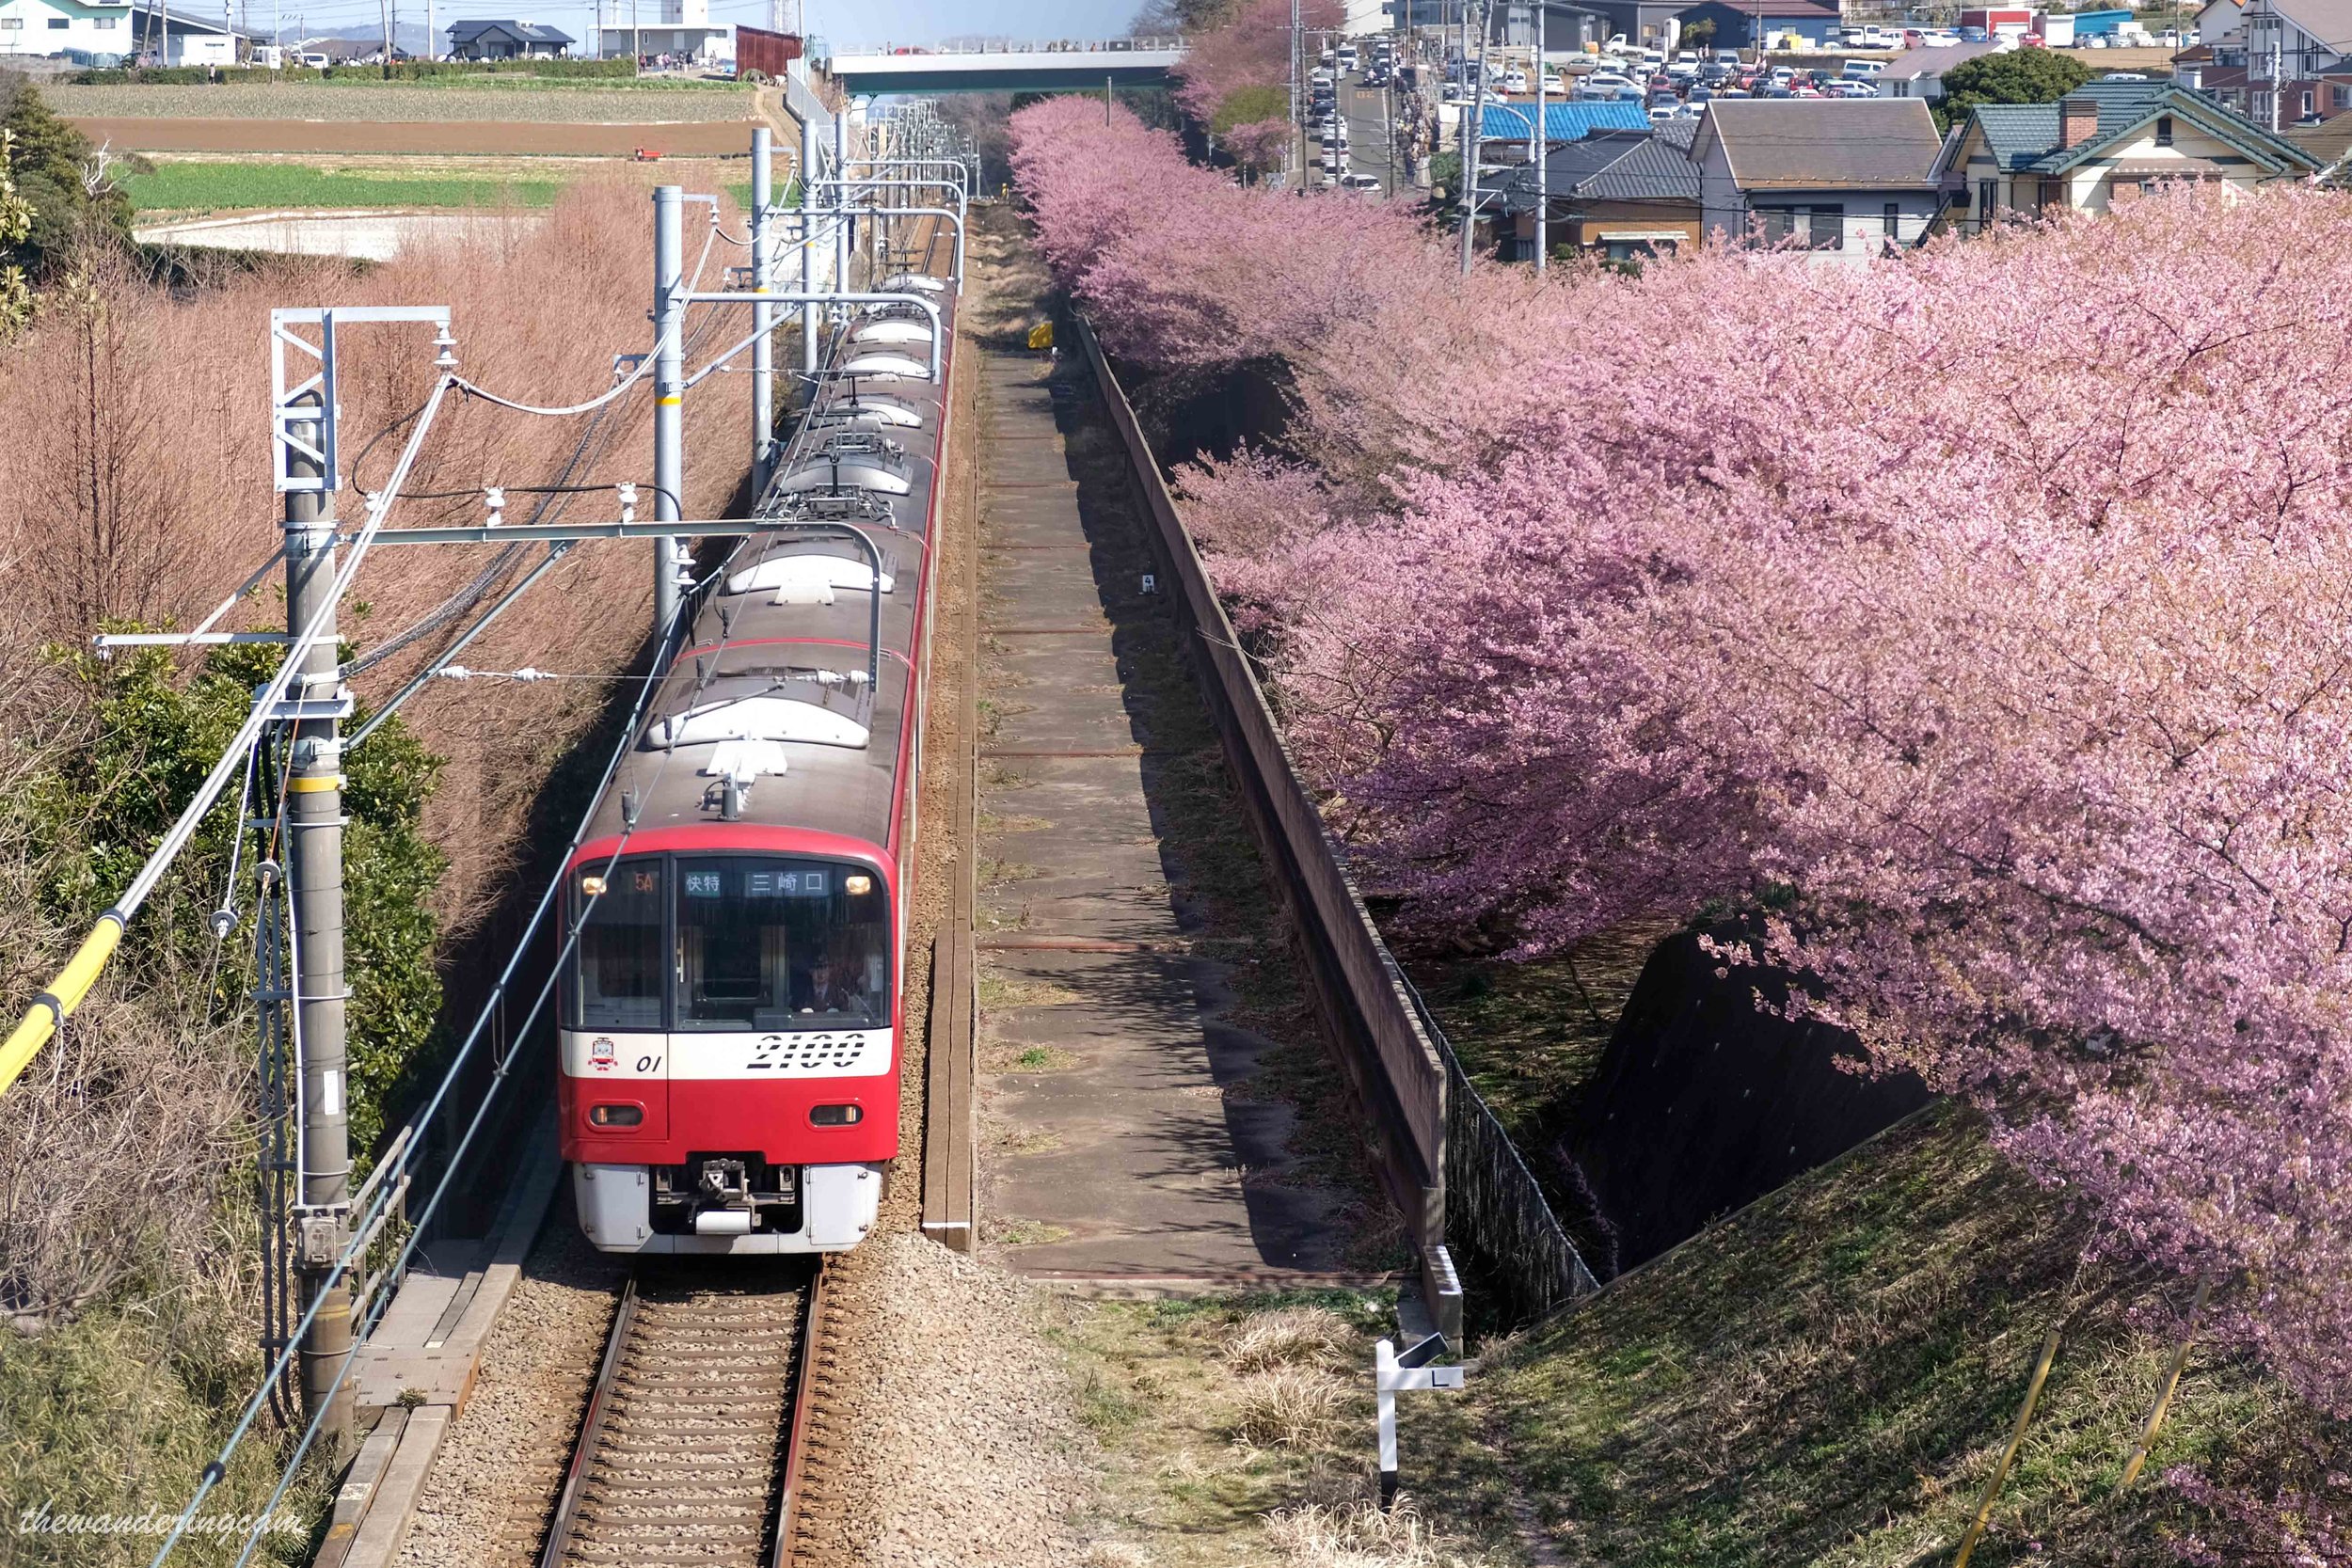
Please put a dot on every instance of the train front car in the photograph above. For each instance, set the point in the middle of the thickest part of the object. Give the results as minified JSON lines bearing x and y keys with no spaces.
{"x":732,"y":1027}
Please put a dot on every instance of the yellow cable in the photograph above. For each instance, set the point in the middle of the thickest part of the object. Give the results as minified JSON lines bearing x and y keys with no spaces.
{"x":2164,"y":1392}
{"x":53,"y":1006}
{"x":2009,"y":1455}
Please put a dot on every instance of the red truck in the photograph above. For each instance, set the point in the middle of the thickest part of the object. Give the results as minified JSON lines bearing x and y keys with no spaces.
{"x":1994,"y":19}
{"x":761,"y":55}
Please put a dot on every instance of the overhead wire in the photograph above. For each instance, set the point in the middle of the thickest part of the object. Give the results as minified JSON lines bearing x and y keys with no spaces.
{"x":81,"y":971}
{"x":665,"y":657}
{"x":213,"y":1472}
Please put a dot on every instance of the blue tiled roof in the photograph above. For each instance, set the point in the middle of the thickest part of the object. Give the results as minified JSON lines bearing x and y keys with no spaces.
{"x":1562,"y":122}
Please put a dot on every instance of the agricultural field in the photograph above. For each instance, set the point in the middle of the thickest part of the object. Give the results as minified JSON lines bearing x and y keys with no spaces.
{"x":213,"y":185}
{"x":410,"y":102}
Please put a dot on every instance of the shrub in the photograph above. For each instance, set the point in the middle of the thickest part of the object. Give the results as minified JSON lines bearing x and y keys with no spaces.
{"x":52,"y":164}
{"x":1290,"y":1336}
{"x":1287,"y":1407}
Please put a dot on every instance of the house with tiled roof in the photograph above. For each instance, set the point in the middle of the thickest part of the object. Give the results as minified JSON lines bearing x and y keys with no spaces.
{"x":2105,"y":141}
{"x":1849,"y":175}
{"x":2280,"y":62}
{"x":1621,"y":195}
{"x":507,"y":41}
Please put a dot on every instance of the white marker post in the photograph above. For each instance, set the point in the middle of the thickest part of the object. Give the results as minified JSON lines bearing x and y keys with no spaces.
{"x":1392,"y":1375}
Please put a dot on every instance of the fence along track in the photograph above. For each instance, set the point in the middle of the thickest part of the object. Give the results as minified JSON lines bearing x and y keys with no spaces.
{"x":690,"y":1441}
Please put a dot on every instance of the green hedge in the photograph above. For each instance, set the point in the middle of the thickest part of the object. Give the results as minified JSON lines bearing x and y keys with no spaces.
{"x":404,"y":70}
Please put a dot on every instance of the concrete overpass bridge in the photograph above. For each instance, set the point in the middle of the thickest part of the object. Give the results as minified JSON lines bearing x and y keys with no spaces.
{"x":1057,"y":66}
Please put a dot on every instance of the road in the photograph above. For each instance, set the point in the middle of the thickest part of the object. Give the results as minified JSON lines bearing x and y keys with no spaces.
{"x":1370,"y":150}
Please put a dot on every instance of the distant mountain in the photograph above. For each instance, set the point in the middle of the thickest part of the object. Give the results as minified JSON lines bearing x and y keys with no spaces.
{"x":406,"y":35}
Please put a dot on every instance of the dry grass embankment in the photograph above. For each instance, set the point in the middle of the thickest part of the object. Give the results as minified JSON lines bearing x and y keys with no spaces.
{"x":135,"y":485}
{"x":1240,"y":1429}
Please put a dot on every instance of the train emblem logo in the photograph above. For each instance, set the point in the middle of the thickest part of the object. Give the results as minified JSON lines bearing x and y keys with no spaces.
{"x":601,"y":1054}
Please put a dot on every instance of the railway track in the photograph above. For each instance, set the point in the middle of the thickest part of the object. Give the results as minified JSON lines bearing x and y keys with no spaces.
{"x":690,"y":1446}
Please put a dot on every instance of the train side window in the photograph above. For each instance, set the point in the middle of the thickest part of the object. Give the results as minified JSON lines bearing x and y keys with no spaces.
{"x":616,"y":976}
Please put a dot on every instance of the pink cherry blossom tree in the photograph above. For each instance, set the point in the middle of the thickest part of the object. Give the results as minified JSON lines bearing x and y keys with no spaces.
{"x":1986,"y":615}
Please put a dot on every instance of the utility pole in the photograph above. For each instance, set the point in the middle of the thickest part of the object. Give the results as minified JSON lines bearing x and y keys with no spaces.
{"x":1298,"y":121}
{"x":2278,"y":87}
{"x":808,"y":244}
{"x":763,"y":317}
{"x":636,"y":41}
{"x":314,"y":813}
{"x":384,"y":6}
{"x":1539,"y":151}
{"x":842,"y":238}
{"x":1472,"y":130}
{"x":669,"y":393}
{"x":1107,"y":94}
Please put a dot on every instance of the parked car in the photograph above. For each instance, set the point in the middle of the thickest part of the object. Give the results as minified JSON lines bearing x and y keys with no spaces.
{"x":1368,"y":183}
{"x":1515,"y":81}
{"x":1974,"y":35}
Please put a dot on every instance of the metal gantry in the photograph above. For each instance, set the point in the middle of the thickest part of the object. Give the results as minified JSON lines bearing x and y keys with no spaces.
{"x":888,"y":172}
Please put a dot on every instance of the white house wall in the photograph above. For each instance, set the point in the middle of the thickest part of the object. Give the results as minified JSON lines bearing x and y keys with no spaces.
{"x":54,"y":26}
{"x":2193,"y":151}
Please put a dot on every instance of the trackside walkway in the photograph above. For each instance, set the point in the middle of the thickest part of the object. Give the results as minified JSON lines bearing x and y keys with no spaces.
{"x":1129,"y":1130}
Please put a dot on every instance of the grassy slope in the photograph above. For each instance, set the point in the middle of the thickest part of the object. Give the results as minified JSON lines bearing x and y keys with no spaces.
{"x":1827,"y":1377}
{"x":1530,"y":1034}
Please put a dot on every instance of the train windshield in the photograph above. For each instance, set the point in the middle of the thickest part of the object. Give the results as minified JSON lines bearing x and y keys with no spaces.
{"x":750,"y":941}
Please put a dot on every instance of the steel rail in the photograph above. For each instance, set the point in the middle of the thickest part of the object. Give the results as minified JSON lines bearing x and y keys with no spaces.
{"x":803,"y":1412}
{"x":591,"y":1429}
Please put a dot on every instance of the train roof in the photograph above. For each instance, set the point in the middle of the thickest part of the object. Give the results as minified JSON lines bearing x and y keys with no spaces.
{"x":772,"y":688}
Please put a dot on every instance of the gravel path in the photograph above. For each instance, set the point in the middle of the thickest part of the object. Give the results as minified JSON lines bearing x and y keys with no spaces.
{"x":495,"y":1481}
{"x":402,"y":105}
{"x":951,"y":1430}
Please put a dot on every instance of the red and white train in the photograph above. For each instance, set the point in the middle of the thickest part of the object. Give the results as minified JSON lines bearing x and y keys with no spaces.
{"x":733,"y":1024}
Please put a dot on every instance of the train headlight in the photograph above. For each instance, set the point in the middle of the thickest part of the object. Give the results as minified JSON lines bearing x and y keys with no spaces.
{"x":592,"y":887}
{"x":617,"y":1116}
{"x":837,"y":1115}
{"x":857,"y":887}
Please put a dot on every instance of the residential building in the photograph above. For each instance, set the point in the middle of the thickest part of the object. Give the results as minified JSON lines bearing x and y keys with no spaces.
{"x":176,"y":37}
{"x":1567,"y":28}
{"x":507,"y":41}
{"x":65,"y":26}
{"x":1850,"y":176}
{"x":1744,"y":26}
{"x":2284,"y":61}
{"x":2104,"y":141}
{"x":1919,"y":72}
{"x":1617,"y":194}
{"x":681,"y":29}
{"x":1645,"y":23}
{"x":2330,"y":141}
